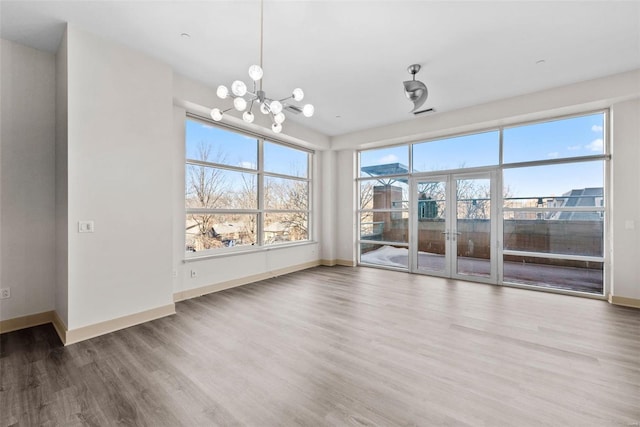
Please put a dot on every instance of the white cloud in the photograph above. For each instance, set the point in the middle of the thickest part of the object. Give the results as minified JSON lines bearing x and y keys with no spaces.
{"x":389,"y":158}
{"x":247,"y":165}
{"x":553,"y":155}
{"x":595,"y":145}
{"x":574,"y":147}
{"x":596,"y":128}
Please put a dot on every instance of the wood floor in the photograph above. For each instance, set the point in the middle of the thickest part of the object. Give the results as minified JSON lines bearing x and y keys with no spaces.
{"x":340,"y":346}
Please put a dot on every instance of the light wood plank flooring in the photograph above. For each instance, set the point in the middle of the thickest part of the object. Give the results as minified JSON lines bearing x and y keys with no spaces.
{"x":340,"y":346}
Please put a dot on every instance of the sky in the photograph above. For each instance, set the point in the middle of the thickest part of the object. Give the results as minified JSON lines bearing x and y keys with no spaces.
{"x":235,"y":149}
{"x":574,"y":137}
{"x":566,"y":138}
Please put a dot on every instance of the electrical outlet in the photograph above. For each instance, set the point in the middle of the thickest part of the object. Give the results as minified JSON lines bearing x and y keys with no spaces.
{"x":194,"y":274}
{"x":5,"y":293}
{"x":175,"y":273}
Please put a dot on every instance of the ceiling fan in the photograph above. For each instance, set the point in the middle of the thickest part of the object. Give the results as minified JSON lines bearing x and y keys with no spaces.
{"x":415,"y":90}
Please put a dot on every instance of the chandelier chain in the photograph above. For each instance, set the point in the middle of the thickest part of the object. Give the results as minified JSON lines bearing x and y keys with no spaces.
{"x":268,"y":106}
{"x":261,"y":36}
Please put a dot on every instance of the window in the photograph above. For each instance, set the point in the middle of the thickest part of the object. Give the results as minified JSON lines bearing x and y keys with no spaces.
{"x":468,"y":151}
{"x":554,"y":204}
{"x":557,"y":139}
{"x":383,"y":207}
{"x":235,"y":196}
{"x":552,"y":207}
{"x":385,"y":161}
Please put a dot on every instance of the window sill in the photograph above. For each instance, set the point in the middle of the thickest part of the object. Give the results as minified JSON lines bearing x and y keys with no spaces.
{"x":243,"y":251}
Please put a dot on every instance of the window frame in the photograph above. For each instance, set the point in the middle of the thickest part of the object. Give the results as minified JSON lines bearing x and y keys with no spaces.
{"x":260,"y":211}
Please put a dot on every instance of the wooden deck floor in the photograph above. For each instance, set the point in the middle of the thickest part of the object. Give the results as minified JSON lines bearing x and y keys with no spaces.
{"x":340,"y":346}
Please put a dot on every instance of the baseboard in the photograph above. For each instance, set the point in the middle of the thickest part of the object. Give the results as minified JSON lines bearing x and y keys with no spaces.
{"x":80,"y":334}
{"x":334,"y":262}
{"x":24,"y":322}
{"x":624,"y":301}
{"x":59,"y":326}
{"x":197,"y":292}
{"x":91,"y":331}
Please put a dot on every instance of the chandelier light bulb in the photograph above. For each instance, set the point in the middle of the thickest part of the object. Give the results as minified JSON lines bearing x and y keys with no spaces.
{"x":239,"y":88}
{"x":255,"y":72}
{"x":216,"y":114}
{"x":248,"y":117}
{"x":308,"y":110}
{"x":298,"y":94}
{"x":264,"y":108}
{"x":222,"y":92}
{"x":239,"y":104}
{"x":276,"y":107}
{"x":276,"y":127}
{"x":279,"y":118}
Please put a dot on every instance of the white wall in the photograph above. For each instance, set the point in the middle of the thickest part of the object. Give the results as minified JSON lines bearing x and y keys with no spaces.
{"x":27,"y":170}
{"x":625,"y":118}
{"x":119,"y":176}
{"x":178,"y":179}
{"x":618,"y":92}
{"x":346,"y":206}
{"x":328,"y":198}
{"x":61,"y":184}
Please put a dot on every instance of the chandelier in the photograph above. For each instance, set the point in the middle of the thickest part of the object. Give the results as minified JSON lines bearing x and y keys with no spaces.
{"x":243,"y":98}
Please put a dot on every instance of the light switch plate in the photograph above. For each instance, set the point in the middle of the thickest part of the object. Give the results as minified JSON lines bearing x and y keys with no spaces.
{"x":85,"y":227}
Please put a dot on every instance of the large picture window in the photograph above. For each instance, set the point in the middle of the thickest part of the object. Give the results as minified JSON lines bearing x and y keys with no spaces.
{"x":384,"y":207}
{"x":241,"y":190}
{"x":468,"y":151}
{"x":554,"y":205}
{"x":523,"y":205}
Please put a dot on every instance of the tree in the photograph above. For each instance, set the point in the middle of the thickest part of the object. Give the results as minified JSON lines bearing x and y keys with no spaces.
{"x":206,"y":188}
{"x":247,"y":198}
{"x":292,"y":197}
{"x":473,"y":199}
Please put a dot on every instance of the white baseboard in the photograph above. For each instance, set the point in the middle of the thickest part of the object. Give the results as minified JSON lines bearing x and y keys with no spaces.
{"x":80,"y":334}
{"x":193,"y":293}
{"x":24,"y":322}
{"x":59,"y":326}
{"x":86,"y":332}
{"x":624,"y":301}
{"x":334,"y":262}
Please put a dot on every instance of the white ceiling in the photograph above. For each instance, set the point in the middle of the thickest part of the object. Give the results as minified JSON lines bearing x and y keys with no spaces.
{"x":350,"y":57}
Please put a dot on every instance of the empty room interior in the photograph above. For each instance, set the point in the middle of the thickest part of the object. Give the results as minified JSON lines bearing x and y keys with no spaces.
{"x":261,"y":213}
